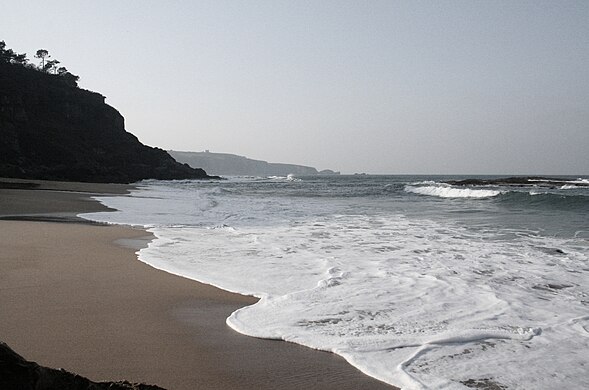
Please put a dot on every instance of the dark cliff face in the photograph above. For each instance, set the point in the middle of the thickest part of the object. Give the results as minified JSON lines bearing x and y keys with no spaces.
{"x":51,"y":130}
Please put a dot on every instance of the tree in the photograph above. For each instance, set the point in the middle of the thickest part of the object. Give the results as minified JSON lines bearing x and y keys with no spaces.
{"x":4,"y":53}
{"x":46,"y":65}
{"x":20,"y":59}
{"x":42,"y":54}
{"x":8,"y":55}
{"x":51,"y":65}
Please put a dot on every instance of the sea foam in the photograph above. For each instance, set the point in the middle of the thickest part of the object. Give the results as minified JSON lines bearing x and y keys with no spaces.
{"x":447,"y":191}
{"x":415,"y":302}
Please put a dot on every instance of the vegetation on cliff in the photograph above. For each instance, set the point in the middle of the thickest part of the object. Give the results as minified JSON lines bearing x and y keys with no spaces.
{"x":51,"y":129}
{"x":9,"y":56}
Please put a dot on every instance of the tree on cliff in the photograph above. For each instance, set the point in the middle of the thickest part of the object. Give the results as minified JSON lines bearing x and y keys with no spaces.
{"x":8,"y":55}
{"x":42,"y":54}
{"x":51,"y":66}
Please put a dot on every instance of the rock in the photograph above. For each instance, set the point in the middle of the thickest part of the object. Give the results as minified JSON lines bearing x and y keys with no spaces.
{"x":518,"y":181}
{"x":16,"y":373}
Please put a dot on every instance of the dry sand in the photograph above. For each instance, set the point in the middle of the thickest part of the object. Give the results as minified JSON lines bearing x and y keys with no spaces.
{"x":74,"y":296}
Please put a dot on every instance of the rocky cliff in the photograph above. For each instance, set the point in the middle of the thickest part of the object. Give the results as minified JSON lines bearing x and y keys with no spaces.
{"x":52,"y":130}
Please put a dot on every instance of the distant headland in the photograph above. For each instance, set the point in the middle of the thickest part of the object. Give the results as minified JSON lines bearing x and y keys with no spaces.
{"x":232,"y":164}
{"x":51,"y":129}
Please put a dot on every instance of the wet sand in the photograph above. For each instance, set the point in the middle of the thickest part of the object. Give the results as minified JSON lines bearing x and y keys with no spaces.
{"x":74,"y":296}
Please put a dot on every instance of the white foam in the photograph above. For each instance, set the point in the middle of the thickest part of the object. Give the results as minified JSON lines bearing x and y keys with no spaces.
{"x":446,"y":191}
{"x":577,"y":181}
{"x":289,"y":177}
{"x":413,"y":302}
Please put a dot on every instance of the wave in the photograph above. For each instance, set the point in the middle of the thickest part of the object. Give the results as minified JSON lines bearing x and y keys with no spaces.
{"x":533,"y":199}
{"x":289,"y":177}
{"x":406,"y":300}
{"x":446,"y":191}
{"x":568,"y":197}
{"x":546,"y":200}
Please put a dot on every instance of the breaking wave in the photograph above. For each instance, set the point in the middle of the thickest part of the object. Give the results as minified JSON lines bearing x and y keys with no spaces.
{"x":447,"y":191}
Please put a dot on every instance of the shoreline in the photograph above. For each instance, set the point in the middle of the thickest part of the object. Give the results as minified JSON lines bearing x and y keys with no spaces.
{"x":74,"y":296}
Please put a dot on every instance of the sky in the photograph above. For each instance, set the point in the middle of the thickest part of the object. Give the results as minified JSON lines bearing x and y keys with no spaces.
{"x":398,"y":87}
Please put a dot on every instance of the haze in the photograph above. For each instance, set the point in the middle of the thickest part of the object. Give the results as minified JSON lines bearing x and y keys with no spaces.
{"x":470,"y":87}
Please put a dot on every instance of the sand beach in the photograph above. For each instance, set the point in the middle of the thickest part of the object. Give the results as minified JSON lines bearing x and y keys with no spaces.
{"x":73,"y":295}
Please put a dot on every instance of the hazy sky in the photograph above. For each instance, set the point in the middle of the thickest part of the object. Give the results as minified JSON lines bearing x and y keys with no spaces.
{"x":357,"y":86}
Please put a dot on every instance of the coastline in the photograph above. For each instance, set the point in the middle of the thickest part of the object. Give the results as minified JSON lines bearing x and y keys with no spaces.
{"x":74,"y":296}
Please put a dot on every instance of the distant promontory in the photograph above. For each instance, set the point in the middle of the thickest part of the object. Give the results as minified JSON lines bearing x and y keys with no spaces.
{"x":234,"y":165}
{"x":50,"y":129}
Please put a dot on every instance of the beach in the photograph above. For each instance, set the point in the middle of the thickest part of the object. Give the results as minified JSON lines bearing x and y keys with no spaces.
{"x":74,"y":296}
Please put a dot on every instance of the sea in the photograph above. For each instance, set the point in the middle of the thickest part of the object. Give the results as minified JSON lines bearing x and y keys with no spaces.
{"x":416,"y":282}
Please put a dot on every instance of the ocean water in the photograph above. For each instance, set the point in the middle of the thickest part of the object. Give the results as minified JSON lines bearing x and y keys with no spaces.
{"x":420,"y":284}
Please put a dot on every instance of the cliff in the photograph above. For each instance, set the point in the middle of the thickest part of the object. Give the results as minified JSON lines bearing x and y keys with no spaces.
{"x":231,"y":164}
{"x":52,"y":130}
